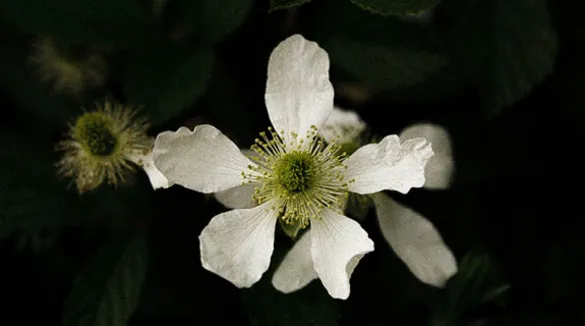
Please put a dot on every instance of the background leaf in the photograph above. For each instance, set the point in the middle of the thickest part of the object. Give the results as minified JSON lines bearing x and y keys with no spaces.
{"x":31,"y":196}
{"x":508,"y":47}
{"x":107,"y":292}
{"x":286,"y":4}
{"x":395,"y":7}
{"x":167,"y":78}
{"x":478,"y":281}
{"x":382,"y":53}
{"x":211,"y":21}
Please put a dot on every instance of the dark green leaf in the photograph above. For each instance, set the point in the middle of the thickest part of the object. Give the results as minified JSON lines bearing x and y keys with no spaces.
{"x":107,"y":292}
{"x":167,"y":78}
{"x":382,"y":67}
{"x":31,"y":196}
{"x":508,"y":47}
{"x":383,"y":53}
{"x":286,"y":4}
{"x":310,"y":306}
{"x":478,"y":280}
{"x":395,"y":7}
{"x":105,"y":22}
{"x":211,"y":20}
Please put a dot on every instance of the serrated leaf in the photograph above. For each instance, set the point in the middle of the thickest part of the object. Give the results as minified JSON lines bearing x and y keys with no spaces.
{"x":167,"y":78}
{"x":211,"y":20}
{"x":104,"y":22}
{"x":23,"y":86}
{"x":310,"y":306}
{"x":31,"y":196}
{"x":286,"y":4}
{"x":508,"y":47}
{"x":107,"y":292}
{"x":395,"y":7}
{"x":384,"y":53}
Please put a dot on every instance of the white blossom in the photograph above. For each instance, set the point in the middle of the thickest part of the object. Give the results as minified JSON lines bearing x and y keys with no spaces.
{"x":294,"y":176}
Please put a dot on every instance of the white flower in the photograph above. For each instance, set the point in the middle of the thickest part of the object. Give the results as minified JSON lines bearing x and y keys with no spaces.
{"x":294,"y":177}
{"x":412,"y":237}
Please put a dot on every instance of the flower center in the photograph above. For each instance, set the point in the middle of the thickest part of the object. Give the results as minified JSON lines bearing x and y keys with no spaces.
{"x":301,"y":177}
{"x":295,"y":171}
{"x":94,"y":132}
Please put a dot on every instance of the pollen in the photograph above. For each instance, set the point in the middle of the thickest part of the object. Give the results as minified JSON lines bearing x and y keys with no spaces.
{"x":295,"y":171}
{"x":300,"y":176}
{"x":94,"y":132}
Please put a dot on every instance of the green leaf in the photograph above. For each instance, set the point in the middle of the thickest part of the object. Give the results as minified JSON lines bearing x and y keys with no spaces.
{"x":395,"y":7}
{"x":286,"y":4}
{"x":167,"y":78}
{"x":22,"y":83}
{"x":508,"y":47}
{"x":478,"y":281}
{"x":211,"y":20}
{"x":310,"y":306}
{"x":383,"y":68}
{"x":383,"y":53}
{"x":107,"y":292}
{"x":31,"y":196}
{"x":104,"y":22}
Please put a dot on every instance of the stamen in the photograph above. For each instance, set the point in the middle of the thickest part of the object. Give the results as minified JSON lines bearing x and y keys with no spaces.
{"x":302,"y":175}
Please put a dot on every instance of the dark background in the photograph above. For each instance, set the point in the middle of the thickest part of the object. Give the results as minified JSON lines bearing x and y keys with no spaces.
{"x":512,"y":216}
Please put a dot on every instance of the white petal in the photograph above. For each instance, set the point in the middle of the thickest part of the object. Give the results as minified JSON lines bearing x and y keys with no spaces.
{"x":439,"y":170}
{"x":298,"y":91}
{"x":346,"y":124}
{"x":388,"y":165}
{"x":237,"y":197}
{"x":416,"y":241}
{"x":145,"y":160}
{"x":296,"y":269}
{"x":237,"y":245}
{"x":240,"y":196}
{"x":338,"y":243}
{"x":203,"y":160}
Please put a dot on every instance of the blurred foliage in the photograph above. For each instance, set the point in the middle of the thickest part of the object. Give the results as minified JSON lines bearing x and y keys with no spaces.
{"x":502,"y":76}
{"x":286,"y":4}
{"x":507,"y":47}
{"x":396,"y":7}
{"x":164,"y":91}
{"x":479,"y":281}
{"x":107,"y":291}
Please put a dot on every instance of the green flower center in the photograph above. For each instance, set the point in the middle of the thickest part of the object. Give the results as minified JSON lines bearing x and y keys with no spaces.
{"x":295,"y":171}
{"x":301,"y":176}
{"x":94,"y":132}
